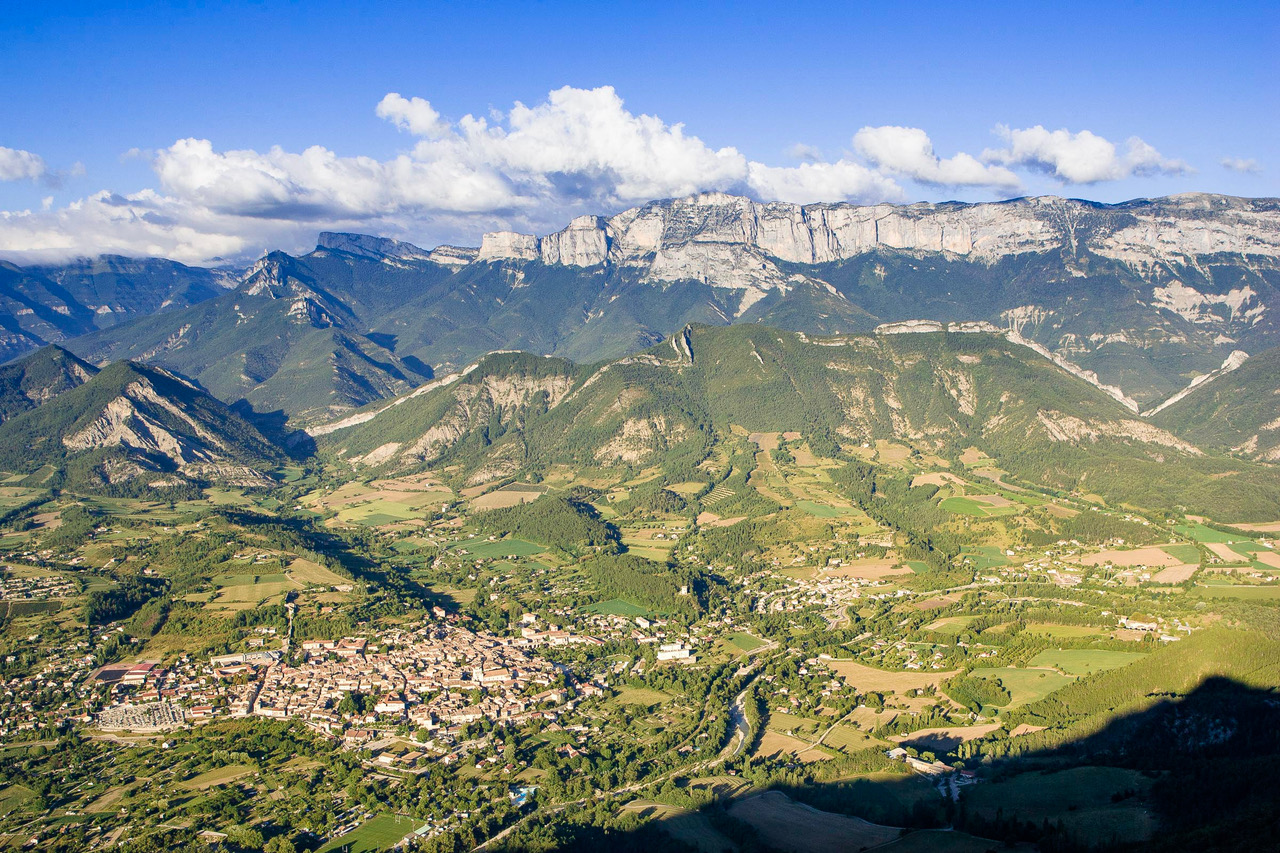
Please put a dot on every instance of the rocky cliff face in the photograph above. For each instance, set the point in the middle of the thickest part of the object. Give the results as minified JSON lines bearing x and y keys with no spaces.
{"x":711,"y":231}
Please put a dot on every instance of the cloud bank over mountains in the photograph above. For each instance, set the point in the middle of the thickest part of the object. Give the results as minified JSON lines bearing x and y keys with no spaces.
{"x":530,"y":169}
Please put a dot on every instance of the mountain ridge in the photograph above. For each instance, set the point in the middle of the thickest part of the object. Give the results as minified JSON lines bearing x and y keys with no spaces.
{"x":1144,"y":295}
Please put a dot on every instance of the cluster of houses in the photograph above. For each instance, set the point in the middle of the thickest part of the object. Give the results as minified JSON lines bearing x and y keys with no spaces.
{"x":438,"y":677}
{"x":14,"y":587}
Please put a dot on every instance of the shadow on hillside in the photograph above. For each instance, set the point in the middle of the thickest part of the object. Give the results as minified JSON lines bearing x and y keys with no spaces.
{"x":296,"y":443}
{"x":1194,"y":772}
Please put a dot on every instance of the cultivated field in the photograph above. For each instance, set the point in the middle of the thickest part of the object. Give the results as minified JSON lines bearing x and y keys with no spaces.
{"x":872,"y":570}
{"x":1084,"y":661}
{"x":507,"y":496}
{"x":1026,"y":685}
{"x":944,"y":739}
{"x":1150,"y":557}
{"x":869,"y":679}
{"x":794,"y":827}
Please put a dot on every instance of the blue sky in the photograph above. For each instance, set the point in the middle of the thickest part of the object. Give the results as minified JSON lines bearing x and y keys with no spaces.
{"x":803,"y":102}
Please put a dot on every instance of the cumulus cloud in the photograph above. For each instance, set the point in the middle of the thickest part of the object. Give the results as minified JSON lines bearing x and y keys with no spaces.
{"x":1079,"y":158}
{"x":908,"y":151}
{"x":530,"y":168}
{"x":18,"y":165}
{"x":813,"y":182}
{"x":1247,"y":166}
{"x":413,"y":114}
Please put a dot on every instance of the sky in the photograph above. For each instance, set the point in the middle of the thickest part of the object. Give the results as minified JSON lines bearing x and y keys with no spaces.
{"x":211,"y":132}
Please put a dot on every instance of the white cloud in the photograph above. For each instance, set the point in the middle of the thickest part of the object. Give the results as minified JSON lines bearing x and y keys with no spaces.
{"x":1246,"y":165}
{"x":1079,"y":158}
{"x":812,"y":182}
{"x":530,"y":168}
{"x":908,"y":151}
{"x":18,"y":165}
{"x":414,"y":115}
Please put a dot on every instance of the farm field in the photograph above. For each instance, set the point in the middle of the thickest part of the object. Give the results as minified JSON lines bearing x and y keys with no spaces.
{"x":305,"y":571}
{"x":1084,"y":661}
{"x":849,"y":739}
{"x":951,"y":625}
{"x":980,"y":506}
{"x":986,"y":557}
{"x":793,"y":827}
{"x":1201,"y":533}
{"x":500,"y":548}
{"x":507,"y":496}
{"x":1080,"y":797}
{"x":869,"y":679}
{"x":944,"y":739}
{"x":1150,"y":557}
{"x":824,"y":510}
{"x":1026,"y":685}
{"x":781,"y":746}
{"x":1063,"y":632}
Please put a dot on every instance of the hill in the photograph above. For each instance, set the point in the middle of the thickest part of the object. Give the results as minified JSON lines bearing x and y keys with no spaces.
{"x":134,"y":425}
{"x":939,"y":392}
{"x":1238,"y":411}
{"x":38,"y":378}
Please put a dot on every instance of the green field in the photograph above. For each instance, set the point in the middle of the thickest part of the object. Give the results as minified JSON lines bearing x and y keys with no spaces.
{"x":951,"y":625}
{"x":1026,"y":685}
{"x":379,"y":512}
{"x":850,"y":739}
{"x":1184,"y":553}
{"x":1200,"y":533}
{"x":986,"y":557}
{"x":377,"y":833}
{"x":641,"y":696}
{"x":1084,"y":661}
{"x":505,"y":548}
{"x":746,"y":642}
{"x":969,"y":506}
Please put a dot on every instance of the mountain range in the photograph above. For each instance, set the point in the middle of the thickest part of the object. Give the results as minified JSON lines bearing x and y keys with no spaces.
{"x":1147,"y":294}
{"x":1154,"y":306}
